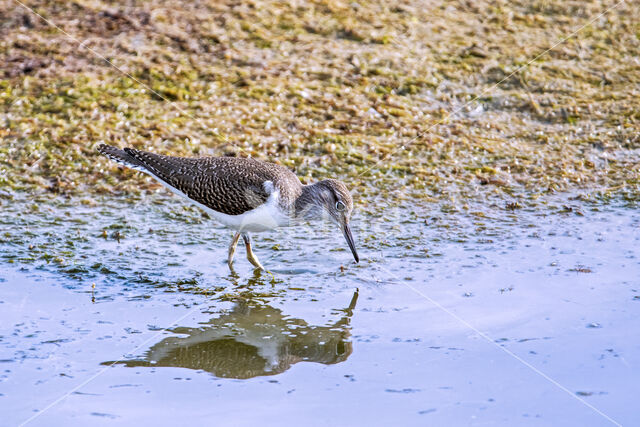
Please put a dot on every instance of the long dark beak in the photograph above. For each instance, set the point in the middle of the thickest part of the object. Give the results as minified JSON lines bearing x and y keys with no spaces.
{"x":347,"y":235}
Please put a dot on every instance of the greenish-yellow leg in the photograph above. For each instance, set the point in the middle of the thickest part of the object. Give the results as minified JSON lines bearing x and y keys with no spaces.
{"x":250,"y":255}
{"x":232,"y":249}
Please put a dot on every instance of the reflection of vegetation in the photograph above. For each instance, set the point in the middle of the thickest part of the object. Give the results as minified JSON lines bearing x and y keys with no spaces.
{"x":251,"y":340}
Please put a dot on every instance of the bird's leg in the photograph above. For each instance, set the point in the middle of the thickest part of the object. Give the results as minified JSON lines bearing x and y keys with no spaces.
{"x":250,"y":255}
{"x":232,"y":249}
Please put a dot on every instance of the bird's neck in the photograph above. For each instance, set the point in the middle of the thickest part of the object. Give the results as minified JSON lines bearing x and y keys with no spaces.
{"x":310,"y":201}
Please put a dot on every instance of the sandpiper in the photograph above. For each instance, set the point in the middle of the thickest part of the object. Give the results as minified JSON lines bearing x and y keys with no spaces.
{"x":244,"y":194}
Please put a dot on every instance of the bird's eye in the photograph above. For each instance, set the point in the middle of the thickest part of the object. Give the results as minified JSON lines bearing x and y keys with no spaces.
{"x":340,"y":206}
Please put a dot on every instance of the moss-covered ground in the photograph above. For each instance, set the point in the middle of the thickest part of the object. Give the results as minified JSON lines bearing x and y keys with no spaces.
{"x":380,"y":94}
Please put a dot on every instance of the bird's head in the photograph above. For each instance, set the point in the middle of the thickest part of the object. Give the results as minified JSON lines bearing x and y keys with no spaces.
{"x":334,"y":198}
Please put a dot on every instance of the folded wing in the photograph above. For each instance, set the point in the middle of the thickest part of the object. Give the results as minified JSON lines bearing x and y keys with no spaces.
{"x":228,"y":185}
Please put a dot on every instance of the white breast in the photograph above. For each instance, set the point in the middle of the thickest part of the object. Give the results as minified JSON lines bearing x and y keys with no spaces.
{"x":265,"y":217}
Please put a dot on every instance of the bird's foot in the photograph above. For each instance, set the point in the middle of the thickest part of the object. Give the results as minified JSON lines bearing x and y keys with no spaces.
{"x":253,"y":259}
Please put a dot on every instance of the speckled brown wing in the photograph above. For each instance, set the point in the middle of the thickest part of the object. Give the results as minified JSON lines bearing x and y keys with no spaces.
{"x":225,"y":184}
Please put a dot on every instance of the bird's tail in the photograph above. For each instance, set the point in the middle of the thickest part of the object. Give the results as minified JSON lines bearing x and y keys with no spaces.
{"x":122,"y":157}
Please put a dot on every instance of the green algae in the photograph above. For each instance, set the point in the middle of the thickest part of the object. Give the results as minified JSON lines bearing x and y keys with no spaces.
{"x":361,"y":91}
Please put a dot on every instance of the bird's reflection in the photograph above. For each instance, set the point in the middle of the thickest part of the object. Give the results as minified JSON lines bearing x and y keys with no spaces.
{"x":251,"y":340}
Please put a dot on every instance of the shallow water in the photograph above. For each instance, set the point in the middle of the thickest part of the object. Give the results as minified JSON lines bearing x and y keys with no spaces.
{"x":522,"y":317}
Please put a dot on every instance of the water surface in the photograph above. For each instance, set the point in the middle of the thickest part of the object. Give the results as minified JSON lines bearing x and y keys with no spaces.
{"x":505,"y":317}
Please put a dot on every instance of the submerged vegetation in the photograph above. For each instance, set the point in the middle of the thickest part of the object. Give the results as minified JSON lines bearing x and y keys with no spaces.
{"x":381,"y":94}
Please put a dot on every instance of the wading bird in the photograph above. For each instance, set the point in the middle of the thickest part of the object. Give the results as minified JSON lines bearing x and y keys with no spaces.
{"x":245,"y":194}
